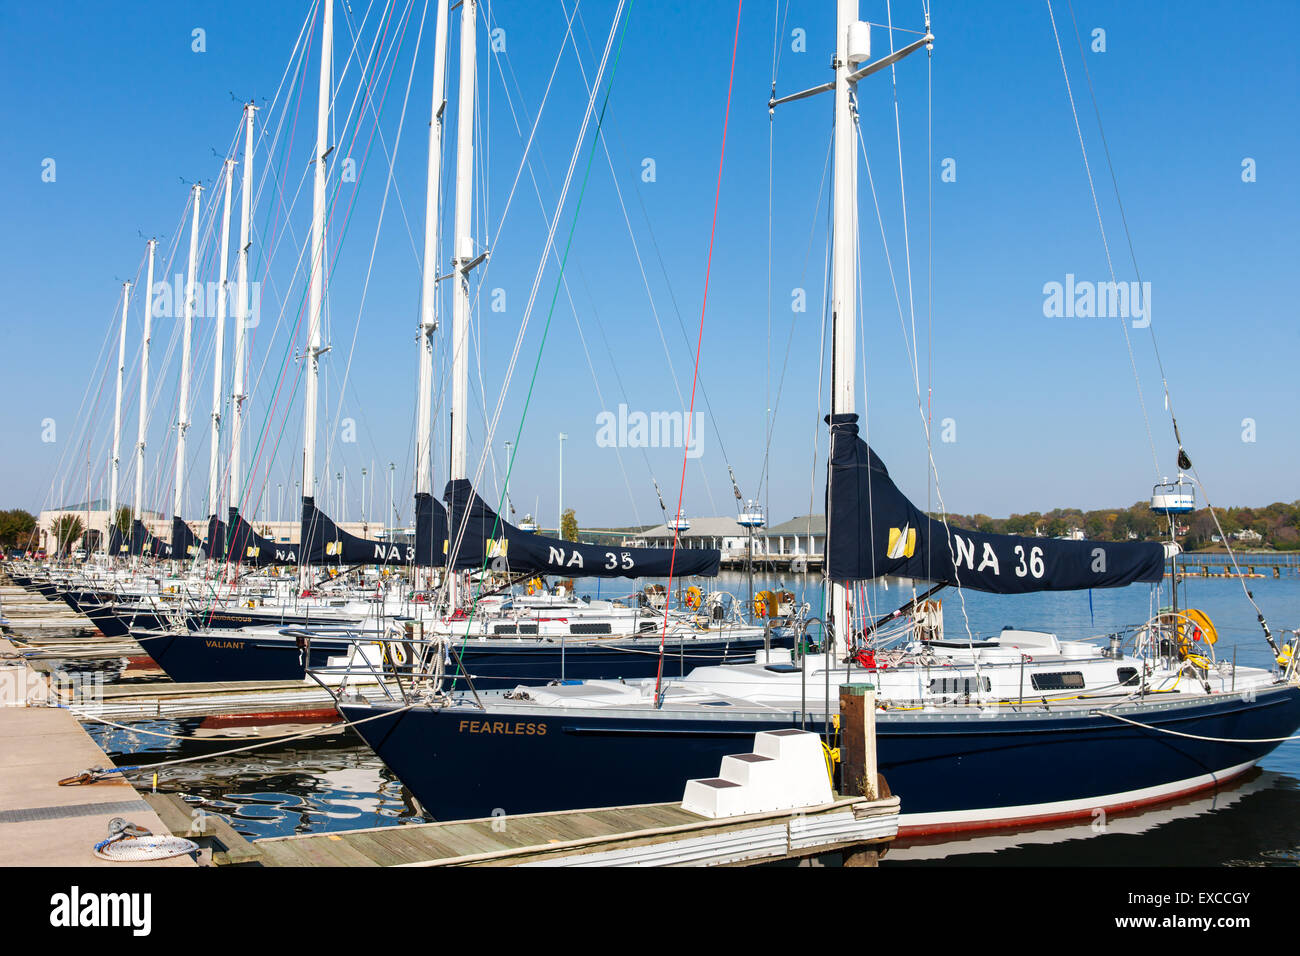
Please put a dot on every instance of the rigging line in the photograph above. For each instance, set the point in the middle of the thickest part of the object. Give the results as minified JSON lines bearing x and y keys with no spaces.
{"x":454,"y":550}
{"x":383,"y":143}
{"x":58,"y":472}
{"x":929,"y":239}
{"x":916,"y":380}
{"x":909,"y":343}
{"x":565,"y":279}
{"x":704,"y":392}
{"x":765,"y":474}
{"x":260,"y":446}
{"x":551,"y":231}
{"x":568,"y":292}
{"x":1155,"y":458}
{"x":573,"y":225}
{"x":654,"y":310}
{"x":1169,"y":402}
{"x":532,"y":136}
{"x":699,"y":347}
{"x":383,"y":206}
{"x":902,"y":191}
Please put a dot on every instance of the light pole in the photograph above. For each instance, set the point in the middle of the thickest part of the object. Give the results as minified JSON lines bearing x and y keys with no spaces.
{"x":389,"y":515}
{"x":279,"y":508}
{"x":365,"y":517}
{"x":560,"y":519}
{"x":342,"y":504}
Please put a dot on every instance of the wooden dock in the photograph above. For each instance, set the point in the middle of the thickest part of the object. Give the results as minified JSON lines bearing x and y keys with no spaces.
{"x":661,"y":834}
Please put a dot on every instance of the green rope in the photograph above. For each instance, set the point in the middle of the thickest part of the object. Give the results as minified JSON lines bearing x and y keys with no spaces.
{"x":550,"y":314}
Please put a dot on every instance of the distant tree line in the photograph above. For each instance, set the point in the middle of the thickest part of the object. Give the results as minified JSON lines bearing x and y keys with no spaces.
{"x":1278,"y":525}
{"x":16,"y":528}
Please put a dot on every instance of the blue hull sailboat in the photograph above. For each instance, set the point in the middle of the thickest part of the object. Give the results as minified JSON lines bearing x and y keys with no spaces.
{"x":971,"y":733}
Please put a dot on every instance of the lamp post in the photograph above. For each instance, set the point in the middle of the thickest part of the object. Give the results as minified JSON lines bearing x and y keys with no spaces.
{"x":389,"y":514}
{"x":365,"y":516}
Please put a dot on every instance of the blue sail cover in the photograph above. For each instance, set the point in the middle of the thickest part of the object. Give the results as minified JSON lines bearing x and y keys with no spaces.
{"x":145,"y":544}
{"x":873,"y":530}
{"x":247,"y":547}
{"x":324,"y":542}
{"x":119,"y":545}
{"x":430,"y":532}
{"x":490,"y":542}
{"x":214,"y":541}
{"x":184,"y":544}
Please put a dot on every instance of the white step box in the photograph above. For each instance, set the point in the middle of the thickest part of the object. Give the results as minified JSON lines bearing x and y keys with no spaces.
{"x":786,"y":771}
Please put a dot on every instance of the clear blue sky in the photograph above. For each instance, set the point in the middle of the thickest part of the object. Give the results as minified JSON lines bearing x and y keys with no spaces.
{"x":1045,"y":409}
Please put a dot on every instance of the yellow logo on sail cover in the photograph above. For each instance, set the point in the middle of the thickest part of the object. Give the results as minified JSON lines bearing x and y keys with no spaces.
{"x":334,"y":547}
{"x":902,"y":542}
{"x":253,"y":552}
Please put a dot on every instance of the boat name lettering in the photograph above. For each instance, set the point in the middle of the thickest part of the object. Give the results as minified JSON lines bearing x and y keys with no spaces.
{"x":518,"y":728}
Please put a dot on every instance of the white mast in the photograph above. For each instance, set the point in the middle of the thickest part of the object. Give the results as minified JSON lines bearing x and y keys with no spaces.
{"x":237,"y":395}
{"x":844,"y":256}
{"x":317,"y":263}
{"x":218,"y":352}
{"x":117,"y":414}
{"x":463,"y":250}
{"x":428,"y":288}
{"x":143,"y":425}
{"x":183,"y":407}
{"x":463,"y":255}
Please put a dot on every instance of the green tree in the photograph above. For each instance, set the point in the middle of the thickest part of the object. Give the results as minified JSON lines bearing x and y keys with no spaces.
{"x":16,"y":527}
{"x":122,"y":520}
{"x":67,"y":532}
{"x":569,"y":525}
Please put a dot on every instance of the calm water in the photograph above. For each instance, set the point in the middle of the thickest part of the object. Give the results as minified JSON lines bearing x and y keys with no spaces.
{"x":336,"y":783}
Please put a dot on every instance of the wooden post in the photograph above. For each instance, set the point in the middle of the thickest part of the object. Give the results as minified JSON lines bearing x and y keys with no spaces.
{"x":858,"y":740}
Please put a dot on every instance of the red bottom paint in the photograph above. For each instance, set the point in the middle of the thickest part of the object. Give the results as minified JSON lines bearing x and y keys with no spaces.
{"x":907,"y":836}
{"x":316,"y":715}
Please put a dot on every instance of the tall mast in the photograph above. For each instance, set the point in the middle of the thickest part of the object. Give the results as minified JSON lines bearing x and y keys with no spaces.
{"x":237,"y":395}
{"x":464,"y":242}
{"x":117,"y":414}
{"x":218,"y":352}
{"x":317,"y":262}
{"x":143,"y":425}
{"x":183,"y":407}
{"x":844,"y":259}
{"x":463,"y":249}
{"x":428,"y":287}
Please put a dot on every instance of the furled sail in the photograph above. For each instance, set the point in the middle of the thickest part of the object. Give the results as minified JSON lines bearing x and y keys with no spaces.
{"x":324,"y":542}
{"x":873,"y":530}
{"x":247,"y":547}
{"x":119,"y":545}
{"x":184,"y":543}
{"x":488,"y":541}
{"x":430,"y":532}
{"x":144,"y":543}
{"x":214,"y":541}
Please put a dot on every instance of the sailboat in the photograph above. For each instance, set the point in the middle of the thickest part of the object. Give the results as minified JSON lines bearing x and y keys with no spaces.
{"x":1022,"y":727}
{"x":462,"y":551}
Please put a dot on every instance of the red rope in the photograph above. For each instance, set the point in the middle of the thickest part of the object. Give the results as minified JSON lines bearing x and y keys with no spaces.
{"x":699,"y":344}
